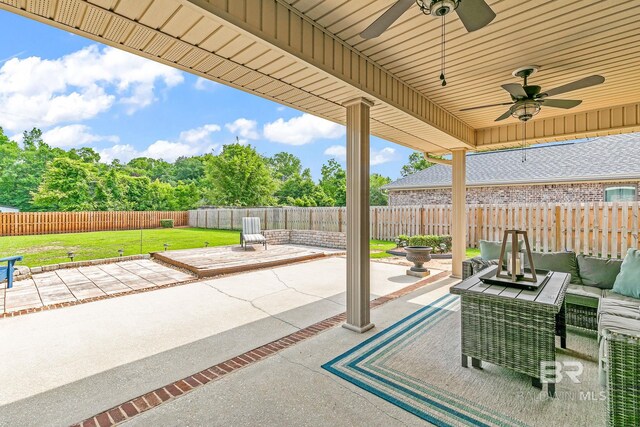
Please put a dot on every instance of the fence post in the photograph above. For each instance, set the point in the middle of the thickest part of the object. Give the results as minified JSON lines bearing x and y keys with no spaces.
{"x":286,"y":218}
{"x":339,"y":219}
{"x":558,"y":241}
{"x":374,"y":228}
{"x":479,"y":224}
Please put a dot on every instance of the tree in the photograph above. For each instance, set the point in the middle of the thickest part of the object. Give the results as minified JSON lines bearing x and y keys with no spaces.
{"x":22,"y":170}
{"x":189,"y":169}
{"x":334,"y":182}
{"x":284,"y":166}
{"x":377,"y":196}
{"x":153,"y":168}
{"x":85,"y":154}
{"x":300,"y":190}
{"x":186,"y":195}
{"x":239,"y":176}
{"x":68,"y":185}
{"x":417,"y":162}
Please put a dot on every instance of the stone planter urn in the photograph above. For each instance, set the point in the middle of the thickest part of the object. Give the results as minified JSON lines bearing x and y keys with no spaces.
{"x":418,"y":255}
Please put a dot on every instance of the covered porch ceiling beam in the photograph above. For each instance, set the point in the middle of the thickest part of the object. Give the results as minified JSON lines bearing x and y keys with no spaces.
{"x":604,"y":121}
{"x":280,"y":25}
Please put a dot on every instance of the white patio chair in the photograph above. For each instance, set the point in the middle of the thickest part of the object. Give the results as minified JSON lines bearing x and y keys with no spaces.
{"x":251,"y":233}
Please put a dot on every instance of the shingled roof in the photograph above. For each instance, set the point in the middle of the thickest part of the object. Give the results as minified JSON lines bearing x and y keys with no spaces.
{"x":607,"y":158}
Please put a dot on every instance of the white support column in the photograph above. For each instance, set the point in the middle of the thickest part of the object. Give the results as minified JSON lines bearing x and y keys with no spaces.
{"x":459,"y":210}
{"x":358,"y":285}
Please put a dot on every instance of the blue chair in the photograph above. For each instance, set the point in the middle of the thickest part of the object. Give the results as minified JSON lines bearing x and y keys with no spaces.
{"x":7,"y":272}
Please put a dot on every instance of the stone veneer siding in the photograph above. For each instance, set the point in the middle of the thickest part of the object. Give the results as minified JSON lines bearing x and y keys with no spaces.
{"x":324,"y":239}
{"x":544,"y":193}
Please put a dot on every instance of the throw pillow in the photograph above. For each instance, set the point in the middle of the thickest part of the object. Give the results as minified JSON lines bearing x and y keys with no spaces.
{"x":490,"y":250}
{"x":598,"y":272}
{"x":628,"y":281}
{"x":564,"y":262}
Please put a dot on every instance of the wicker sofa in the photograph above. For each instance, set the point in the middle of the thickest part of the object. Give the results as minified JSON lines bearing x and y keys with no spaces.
{"x":591,"y":304}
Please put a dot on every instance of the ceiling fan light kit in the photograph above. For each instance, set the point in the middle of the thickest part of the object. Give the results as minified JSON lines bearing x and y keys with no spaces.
{"x":527,"y":100}
{"x":437,"y":8}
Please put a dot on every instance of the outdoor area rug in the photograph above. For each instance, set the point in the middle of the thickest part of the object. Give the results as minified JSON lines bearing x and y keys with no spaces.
{"x":415,"y":364}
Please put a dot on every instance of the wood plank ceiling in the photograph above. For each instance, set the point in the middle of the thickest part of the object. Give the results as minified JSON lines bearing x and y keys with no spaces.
{"x":567,"y":39}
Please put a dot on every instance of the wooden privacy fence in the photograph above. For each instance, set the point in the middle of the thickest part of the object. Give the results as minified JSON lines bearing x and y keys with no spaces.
{"x":24,"y":223}
{"x":607,"y":229}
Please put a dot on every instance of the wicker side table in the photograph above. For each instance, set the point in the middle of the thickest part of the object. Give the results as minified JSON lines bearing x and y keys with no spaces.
{"x":513,"y":328}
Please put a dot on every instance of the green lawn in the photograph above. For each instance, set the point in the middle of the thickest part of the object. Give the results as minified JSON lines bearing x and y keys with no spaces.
{"x":53,"y":248}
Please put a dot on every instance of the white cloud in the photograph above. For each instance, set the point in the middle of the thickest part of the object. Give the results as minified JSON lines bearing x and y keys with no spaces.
{"x":205,"y":84}
{"x":190,"y":142}
{"x":122,"y":152}
{"x":198,"y":135}
{"x":247,"y":129}
{"x":302,"y":130}
{"x":170,"y":151}
{"x":74,"y":136}
{"x":377,"y":157}
{"x":385,"y":155}
{"x":337,"y":151}
{"x":47,"y":92}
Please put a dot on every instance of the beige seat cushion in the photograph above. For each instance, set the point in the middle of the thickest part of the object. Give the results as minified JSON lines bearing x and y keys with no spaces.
{"x":617,"y":307}
{"x":608,"y":293}
{"x":254,"y":238}
{"x":584,"y":291}
{"x":620,"y":324}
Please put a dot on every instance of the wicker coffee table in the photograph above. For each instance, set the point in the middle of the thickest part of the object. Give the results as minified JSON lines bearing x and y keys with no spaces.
{"x":512,"y":327}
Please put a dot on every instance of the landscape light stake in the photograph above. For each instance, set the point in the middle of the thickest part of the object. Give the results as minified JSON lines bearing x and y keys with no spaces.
{"x":206,"y":244}
{"x":71,"y":255}
{"x":120,"y":252}
{"x":166,"y":245}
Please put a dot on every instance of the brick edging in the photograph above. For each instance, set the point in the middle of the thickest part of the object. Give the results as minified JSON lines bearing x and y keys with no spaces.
{"x":133,"y":407}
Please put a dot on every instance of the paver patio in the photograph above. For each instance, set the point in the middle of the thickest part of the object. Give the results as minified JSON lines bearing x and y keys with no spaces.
{"x":209,"y":262}
{"x":77,"y":284}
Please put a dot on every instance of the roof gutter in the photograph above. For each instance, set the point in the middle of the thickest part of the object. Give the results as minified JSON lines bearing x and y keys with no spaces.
{"x":437,"y":160}
{"x":568,"y":180}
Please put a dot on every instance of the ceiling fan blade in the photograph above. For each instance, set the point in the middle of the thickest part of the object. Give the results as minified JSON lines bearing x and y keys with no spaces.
{"x":561,"y":103}
{"x":578,"y":84}
{"x":385,"y":20}
{"x":475,"y":14}
{"x":516,"y":90}
{"x":506,"y":115}
{"x":486,"y":106}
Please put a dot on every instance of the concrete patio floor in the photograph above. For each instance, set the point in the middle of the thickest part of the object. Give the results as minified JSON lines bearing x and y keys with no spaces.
{"x":291,"y":389}
{"x":75,"y":362}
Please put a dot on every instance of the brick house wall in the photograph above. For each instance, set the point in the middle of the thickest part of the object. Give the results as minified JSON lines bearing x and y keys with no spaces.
{"x":546,"y":193}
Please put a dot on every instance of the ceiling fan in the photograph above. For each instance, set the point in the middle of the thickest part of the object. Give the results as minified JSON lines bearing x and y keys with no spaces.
{"x":474,"y":15}
{"x":527,"y":100}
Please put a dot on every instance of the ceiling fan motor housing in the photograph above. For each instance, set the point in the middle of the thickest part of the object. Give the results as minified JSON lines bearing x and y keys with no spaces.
{"x":438,"y":7}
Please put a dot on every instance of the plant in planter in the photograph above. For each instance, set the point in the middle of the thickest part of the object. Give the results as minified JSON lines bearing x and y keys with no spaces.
{"x":418,"y":252}
{"x":402,"y":240}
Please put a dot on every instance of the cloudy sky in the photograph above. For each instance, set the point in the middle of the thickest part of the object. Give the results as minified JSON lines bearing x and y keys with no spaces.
{"x":85,"y":94}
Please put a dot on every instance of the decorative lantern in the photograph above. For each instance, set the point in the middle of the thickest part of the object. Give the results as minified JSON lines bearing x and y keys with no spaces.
{"x":515,"y":259}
